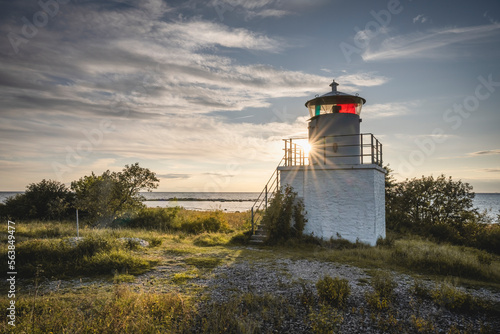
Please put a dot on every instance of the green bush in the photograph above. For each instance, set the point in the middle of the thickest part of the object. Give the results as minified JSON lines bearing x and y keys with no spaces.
{"x":159,"y":219}
{"x":209,"y":240}
{"x":68,"y":257}
{"x":439,"y":208}
{"x":383,"y":295}
{"x":383,"y":284}
{"x":452,"y":298}
{"x":285,"y":217}
{"x":488,"y":238}
{"x":334,"y":291}
{"x":46,"y":200}
{"x":326,"y":320}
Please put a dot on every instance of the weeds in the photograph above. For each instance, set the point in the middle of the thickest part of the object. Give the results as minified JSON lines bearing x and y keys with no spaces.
{"x":118,"y":311}
{"x":246,"y":313}
{"x":382,"y":296}
{"x":333,"y":291}
{"x":327,"y":320}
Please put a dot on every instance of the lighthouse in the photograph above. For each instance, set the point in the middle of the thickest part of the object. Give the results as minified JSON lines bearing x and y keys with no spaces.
{"x":341,"y":180}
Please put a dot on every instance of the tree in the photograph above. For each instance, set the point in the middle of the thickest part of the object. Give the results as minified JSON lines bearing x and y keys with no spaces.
{"x":108,"y":196}
{"x":47,"y":199}
{"x":430,"y":203}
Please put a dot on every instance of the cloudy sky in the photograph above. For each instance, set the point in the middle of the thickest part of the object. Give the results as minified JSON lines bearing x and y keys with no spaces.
{"x":203,"y":92}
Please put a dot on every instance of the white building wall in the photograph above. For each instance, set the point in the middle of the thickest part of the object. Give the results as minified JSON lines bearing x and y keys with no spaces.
{"x":346,"y":201}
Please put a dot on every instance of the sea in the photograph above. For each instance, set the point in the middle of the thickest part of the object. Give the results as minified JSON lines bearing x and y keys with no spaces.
{"x":243,"y":201}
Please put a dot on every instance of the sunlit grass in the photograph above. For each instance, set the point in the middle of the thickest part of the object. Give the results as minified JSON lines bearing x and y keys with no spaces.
{"x":120,"y":310}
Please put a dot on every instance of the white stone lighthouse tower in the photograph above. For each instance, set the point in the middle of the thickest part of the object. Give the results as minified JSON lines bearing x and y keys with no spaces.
{"x":341,"y":181}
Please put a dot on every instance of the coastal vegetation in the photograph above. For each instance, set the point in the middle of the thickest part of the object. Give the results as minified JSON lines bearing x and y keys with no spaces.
{"x":149,"y":270}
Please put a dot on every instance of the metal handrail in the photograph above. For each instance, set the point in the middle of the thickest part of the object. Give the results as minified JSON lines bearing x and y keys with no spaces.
{"x":265,"y":196}
{"x":374,"y":155}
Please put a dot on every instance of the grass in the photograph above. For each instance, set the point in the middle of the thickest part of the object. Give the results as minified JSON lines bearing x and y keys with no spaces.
{"x":120,"y":306}
{"x":94,"y":255}
{"x":120,"y":310}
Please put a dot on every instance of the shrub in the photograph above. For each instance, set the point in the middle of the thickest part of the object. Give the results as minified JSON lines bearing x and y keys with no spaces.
{"x":46,"y":200}
{"x":159,"y":219}
{"x":334,"y":291}
{"x":383,"y":284}
{"x":214,"y":221}
{"x":382,"y":296}
{"x":209,"y":240}
{"x":326,"y":320}
{"x":448,"y":296}
{"x":285,"y":217}
{"x":63,"y":258}
{"x":155,"y":242}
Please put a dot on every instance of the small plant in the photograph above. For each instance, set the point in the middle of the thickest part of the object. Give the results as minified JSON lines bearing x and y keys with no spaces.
{"x":307,"y":296}
{"x":203,"y":262}
{"x":448,"y":296}
{"x":383,"y":285}
{"x":334,"y":291}
{"x":182,"y":278}
{"x":155,"y":242}
{"x":422,"y":325}
{"x":326,"y":320}
{"x":209,"y":240}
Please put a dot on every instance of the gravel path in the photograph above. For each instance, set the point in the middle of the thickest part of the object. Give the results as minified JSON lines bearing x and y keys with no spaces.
{"x":286,"y":278}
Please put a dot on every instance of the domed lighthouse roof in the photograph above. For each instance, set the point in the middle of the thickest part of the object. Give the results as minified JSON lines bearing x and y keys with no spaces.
{"x":335,"y":102}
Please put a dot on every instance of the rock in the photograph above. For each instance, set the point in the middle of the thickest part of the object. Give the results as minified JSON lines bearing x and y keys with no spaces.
{"x":141,"y":242}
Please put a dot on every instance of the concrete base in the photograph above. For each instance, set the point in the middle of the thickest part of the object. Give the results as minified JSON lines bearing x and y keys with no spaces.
{"x":347,"y":200}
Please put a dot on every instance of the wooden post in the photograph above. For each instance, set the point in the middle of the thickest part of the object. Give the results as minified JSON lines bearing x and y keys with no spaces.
{"x":77,"y":227}
{"x":253,"y":226}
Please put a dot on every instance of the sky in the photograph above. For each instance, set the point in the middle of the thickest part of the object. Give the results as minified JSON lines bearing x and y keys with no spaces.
{"x":204,"y":92}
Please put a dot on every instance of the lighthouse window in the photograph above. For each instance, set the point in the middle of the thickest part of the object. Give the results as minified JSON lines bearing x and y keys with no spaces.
{"x":349,"y":108}
{"x":318,"y":110}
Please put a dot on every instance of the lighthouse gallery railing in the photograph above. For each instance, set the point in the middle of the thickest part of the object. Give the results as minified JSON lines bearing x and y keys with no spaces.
{"x":370,"y":152}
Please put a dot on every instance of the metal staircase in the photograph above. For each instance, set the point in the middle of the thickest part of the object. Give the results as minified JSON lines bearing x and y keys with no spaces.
{"x":260,"y":206}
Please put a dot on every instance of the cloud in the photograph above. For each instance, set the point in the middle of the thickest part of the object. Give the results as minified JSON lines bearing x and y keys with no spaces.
{"x":491,"y":170}
{"x":487,"y":152}
{"x":202,"y":34}
{"x":420,"y":18}
{"x":382,"y":110}
{"x":262,"y":9}
{"x":431,"y":44}
{"x":174,"y":176}
{"x":363,"y":79}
